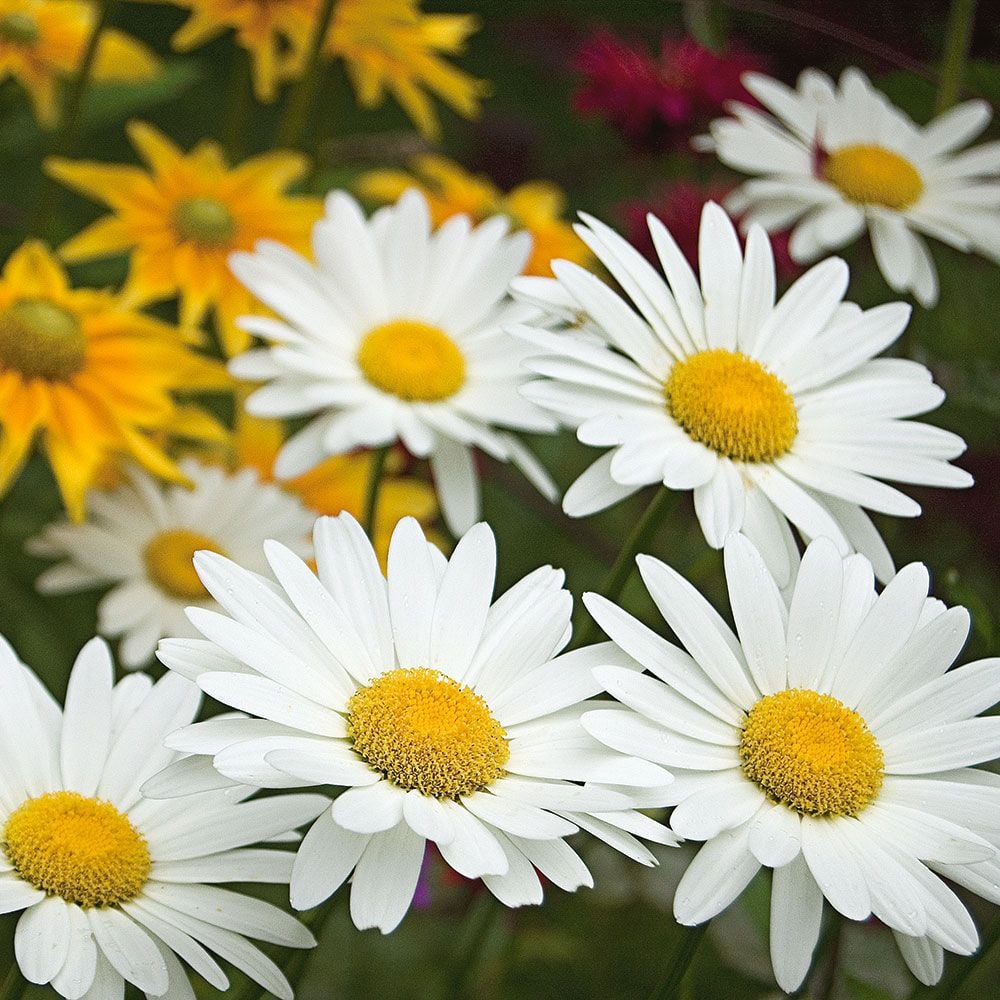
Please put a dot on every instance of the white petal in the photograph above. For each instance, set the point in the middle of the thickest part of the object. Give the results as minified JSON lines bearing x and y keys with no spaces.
{"x":475,"y":850}
{"x":457,"y":484}
{"x":557,"y":861}
{"x":775,"y":835}
{"x":705,"y":635}
{"x":41,"y":942}
{"x":924,"y":957}
{"x":724,"y":804}
{"x":720,"y":871}
{"x":372,"y":809}
{"x":77,"y":974}
{"x":595,"y":489}
{"x":385,"y":879}
{"x":835,"y":868}
{"x":519,"y":884}
{"x":86,"y":731}
{"x":324,"y":860}
{"x":759,"y":612}
{"x":428,"y":817}
{"x":814,"y":613}
{"x":796,"y":914}
{"x":130,"y":950}
{"x":463,"y":602}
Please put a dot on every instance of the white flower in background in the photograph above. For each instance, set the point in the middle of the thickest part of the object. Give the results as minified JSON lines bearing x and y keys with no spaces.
{"x":113,"y":886}
{"x":142,"y":537}
{"x":831,"y":161}
{"x":395,"y":334}
{"x":448,"y":716}
{"x":771,"y":412}
{"x":826,"y":739}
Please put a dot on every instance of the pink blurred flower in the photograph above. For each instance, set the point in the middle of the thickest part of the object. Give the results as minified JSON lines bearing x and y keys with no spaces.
{"x":656,"y":101}
{"x":678,"y":206}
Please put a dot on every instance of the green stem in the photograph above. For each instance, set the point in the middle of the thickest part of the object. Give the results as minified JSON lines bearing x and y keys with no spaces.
{"x":14,"y":984}
{"x":237,"y":104}
{"x":375,"y":477}
{"x":470,"y":954}
{"x":958,"y":38}
{"x":961,"y":970}
{"x":619,"y":573}
{"x":670,"y":988}
{"x":301,"y":100}
{"x":64,"y":143}
{"x":325,"y":128}
{"x":829,"y":982}
{"x":315,"y":921}
{"x":81,"y":81}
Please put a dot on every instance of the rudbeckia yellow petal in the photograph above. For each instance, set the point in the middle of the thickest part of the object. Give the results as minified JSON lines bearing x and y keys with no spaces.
{"x":100,"y":239}
{"x":153,"y":146}
{"x":35,"y":272}
{"x":122,"y":58}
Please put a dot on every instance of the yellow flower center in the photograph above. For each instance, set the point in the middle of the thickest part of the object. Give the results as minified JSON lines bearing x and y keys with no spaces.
{"x":169,"y":558}
{"x":812,"y":753}
{"x":412,"y":360}
{"x":205,"y":221}
{"x":423,"y":730}
{"x":41,"y":340}
{"x":19,"y":28}
{"x":874,"y":175}
{"x":732,"y":404}
{"x":81,"y":849}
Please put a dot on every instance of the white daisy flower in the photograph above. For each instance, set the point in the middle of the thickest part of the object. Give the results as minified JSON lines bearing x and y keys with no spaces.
{"x":826,"y":739}
{"x":771,"y":412}
{"x":448,"y":717}
{"x":142,"y":537}
{"x":831,"y":161}
{"x":395,"y":334}
{"x":113,"y":887}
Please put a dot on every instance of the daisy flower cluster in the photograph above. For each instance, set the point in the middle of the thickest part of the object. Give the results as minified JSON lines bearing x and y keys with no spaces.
{"x":287,"y":479}
{"x":832,"y":160}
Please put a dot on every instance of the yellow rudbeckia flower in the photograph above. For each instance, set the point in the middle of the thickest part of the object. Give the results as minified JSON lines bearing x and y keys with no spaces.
{"x":387,"y":45}
{"x":390,"y":45}
{"x":183,"y":219}
{"x":87,"y":374}
{"x":42,"y":41}
{"x":536,"y":206}
{"x":338,"y":483}
{"x":273,"y":33}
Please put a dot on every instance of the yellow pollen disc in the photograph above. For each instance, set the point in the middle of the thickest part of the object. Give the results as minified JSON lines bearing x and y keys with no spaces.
{"x":812,"y":753}
{"x":169,"y":558}
{"x":19,"y":28}
{"x":205,"y":221}
{"x":732,"y":404}
{"x":41,"y":340}
{"x":874,"y":175}
{"x":415,"y":361}
{"x":423,"y":730}
{"x":81,"y":849}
